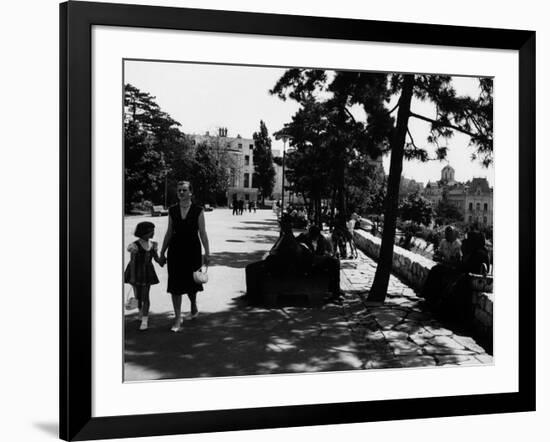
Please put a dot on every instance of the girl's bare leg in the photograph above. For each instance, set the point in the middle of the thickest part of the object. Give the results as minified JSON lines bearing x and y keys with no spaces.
{"x":144,"y":296}
{"x":137,"y":295}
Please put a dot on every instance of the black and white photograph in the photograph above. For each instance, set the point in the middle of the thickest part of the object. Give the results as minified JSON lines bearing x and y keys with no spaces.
{"x":262,"y":221}
{"x":299,"y":220}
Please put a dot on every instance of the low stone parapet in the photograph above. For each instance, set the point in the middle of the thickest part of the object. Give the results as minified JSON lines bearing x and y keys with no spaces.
{"x":413,"y":269}
{"x":408,"y":266}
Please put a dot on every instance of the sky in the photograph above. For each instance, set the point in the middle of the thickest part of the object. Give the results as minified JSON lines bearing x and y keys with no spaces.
{"x":205,"y":97}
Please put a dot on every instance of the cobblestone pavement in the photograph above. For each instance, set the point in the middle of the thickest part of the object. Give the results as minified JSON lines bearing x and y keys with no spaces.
{"x":399,"y":333}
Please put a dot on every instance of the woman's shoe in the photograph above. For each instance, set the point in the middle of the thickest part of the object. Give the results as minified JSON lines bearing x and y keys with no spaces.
{"x":194,"y":315}
{"x":176,"y":327}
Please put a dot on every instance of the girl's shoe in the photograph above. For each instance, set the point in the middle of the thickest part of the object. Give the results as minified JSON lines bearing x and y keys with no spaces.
{"x":194,"y":315}
{"x":176,"y":328}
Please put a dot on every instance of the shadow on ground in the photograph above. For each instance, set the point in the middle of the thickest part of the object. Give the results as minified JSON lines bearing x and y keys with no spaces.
{"x":237,"y":260}
{"x":240,"y":341}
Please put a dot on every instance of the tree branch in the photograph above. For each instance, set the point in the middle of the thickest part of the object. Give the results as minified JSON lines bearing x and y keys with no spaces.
{"x":394,"y":108}
{"x":412,"y":139}
{"x":450,"y":126}
{"x":416,"y":148}
{"x":350,"y":115}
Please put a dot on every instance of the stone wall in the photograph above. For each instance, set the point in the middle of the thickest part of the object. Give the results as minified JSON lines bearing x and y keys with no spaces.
{"x":408,"y":266}
{"x":413,"y":269}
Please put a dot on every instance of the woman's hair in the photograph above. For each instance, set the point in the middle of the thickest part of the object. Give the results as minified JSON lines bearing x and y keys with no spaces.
{"x":143,"y":228}
{"x":314,"y":230}
{"x":182,"y":182}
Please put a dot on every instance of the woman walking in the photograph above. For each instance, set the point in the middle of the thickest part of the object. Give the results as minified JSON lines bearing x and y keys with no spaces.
{"x":186,"y":231}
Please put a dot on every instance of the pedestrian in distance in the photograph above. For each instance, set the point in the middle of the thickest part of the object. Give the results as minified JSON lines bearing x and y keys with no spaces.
{"x":185,"y":235}
{"x":140,"y":272}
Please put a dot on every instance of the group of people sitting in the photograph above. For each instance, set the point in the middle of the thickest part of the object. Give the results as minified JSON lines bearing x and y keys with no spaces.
{"x":309,"y":253}
{"x":447,"y":289}
{"x":470,"y":255}
{"x":298,"y":216}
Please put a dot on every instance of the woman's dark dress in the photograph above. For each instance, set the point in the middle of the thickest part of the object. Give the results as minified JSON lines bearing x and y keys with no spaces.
{"x":184,"y":251}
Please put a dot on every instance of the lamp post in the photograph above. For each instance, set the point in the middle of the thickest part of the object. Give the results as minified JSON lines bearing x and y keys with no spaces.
{"x":283,"y":178}
{"x":285,"y":138}
{"x":165,"y":189}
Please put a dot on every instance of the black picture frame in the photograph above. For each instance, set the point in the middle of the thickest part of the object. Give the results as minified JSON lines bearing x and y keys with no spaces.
{"x":76,"y":21}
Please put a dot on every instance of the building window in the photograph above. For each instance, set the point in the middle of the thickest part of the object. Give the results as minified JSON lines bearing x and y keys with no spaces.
{"x":470,"y":219}
{"x":246,"y":180}
{"x":251,"y":146}
{"x":485,"y":207}
{"x":247,"y":160}
{"x":484,"y":220}
{"x":240,"y":146}
{"x":247,"y":197}
{"x":478,"y":206}
{"x":471,"y":207}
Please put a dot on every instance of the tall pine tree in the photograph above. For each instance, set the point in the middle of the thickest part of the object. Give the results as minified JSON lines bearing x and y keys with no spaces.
{"x":373,"y":91}
{"x":264,"y":171}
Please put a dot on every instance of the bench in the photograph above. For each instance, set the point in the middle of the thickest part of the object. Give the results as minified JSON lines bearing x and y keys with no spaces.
{"x":281,"y":290}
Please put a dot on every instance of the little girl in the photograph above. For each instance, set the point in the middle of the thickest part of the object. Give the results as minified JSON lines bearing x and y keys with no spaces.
{"x":140,"y":272}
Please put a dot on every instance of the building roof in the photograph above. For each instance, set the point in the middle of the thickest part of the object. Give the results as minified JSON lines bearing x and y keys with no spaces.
{"x":478,"y":183}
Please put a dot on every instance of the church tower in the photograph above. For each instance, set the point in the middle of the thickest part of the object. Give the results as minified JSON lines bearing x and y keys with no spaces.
{"x":448,"y":175}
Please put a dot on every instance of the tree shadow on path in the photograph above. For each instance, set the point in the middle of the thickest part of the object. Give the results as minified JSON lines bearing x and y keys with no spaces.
{"x":237,"y":260}
{"x":240,"y":341}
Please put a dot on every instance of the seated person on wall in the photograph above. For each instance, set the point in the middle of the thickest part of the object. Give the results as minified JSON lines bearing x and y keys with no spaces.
{"x":476,"y":256}
{"x":286,"y":257}
{"x":321,"y":259}
{"x":444,"y":279}
{"x":449,"y":251}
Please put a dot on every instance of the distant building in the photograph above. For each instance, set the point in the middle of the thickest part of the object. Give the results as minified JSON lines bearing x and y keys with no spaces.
{"x":240,"y":167}
{"x":474,"y":199}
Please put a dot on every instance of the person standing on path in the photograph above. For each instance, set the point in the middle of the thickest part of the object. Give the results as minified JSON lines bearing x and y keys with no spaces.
{"x":184,"y":235}
{"x":235,"y":205}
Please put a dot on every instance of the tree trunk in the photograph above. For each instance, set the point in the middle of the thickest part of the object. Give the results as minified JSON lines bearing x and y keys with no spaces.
{"x":383,"y":269}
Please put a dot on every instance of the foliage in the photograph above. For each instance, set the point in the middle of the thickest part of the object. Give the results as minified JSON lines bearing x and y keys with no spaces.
{"x":366,"y":189}
{"x":157,"y":155}
{"x":447,"y":213}
{"x":330,"y":146}
{"x":264,"y":171}
{"x":209,"y":174}
{"x":149,"y":137}
{"x":416,"y":209}
{"x":380,"y":132}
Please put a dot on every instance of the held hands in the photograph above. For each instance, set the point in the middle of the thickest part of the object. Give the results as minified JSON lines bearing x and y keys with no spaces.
{"x":206,"y":260}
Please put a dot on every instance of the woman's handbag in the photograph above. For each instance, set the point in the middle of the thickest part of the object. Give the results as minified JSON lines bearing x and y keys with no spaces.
{"x":201,"y":275}
{"x":131,"y":301}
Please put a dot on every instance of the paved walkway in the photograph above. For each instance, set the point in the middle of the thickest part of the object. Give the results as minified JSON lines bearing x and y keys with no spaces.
{"x":231,"y":338}
{"x":399,"y":333}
